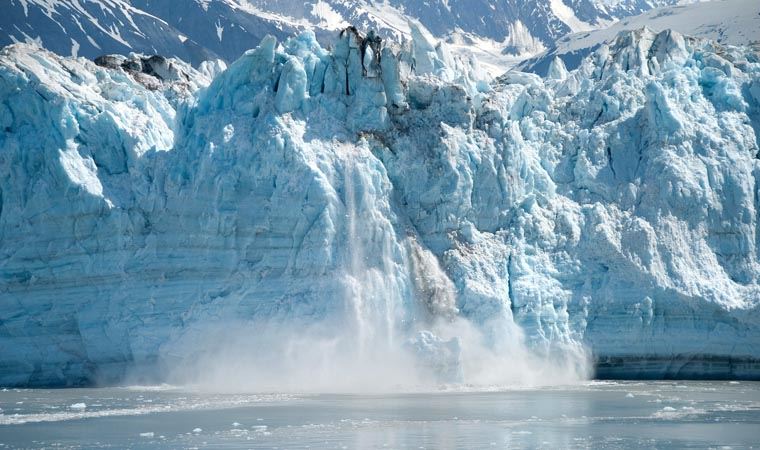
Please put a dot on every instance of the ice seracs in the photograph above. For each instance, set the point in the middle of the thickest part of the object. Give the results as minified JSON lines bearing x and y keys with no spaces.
{"x":382,"y":199}
{"x":557,"y":70}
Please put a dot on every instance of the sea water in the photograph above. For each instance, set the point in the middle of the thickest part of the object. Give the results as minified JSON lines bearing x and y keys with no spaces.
{"x":673,"y":414}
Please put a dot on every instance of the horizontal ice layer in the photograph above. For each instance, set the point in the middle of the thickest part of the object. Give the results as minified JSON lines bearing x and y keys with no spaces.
{"x":614,"y":206}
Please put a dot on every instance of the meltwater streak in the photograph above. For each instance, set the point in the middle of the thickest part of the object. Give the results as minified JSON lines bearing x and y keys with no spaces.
{"x":399,"y":328}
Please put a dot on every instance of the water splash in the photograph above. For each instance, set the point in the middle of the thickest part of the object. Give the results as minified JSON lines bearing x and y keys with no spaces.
{"x":398,"y":327}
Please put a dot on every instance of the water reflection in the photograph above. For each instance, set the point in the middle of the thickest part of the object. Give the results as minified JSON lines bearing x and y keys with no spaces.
{"x":599,"y":415}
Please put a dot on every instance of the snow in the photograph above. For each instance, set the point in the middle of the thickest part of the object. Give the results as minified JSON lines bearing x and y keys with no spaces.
{"x":498,"y":33}
{"x":347,"y":219}
{"x":329,"y":18}
{"x":726,"y":21}
{"x":219,"y":31}
{"x":567,"y":15}
{"x":735,"y":22}
{"x":74,"y":48}
{"x":92,"y":28}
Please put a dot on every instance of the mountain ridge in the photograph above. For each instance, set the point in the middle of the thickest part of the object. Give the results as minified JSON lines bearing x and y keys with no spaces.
{"x":198,"y":30}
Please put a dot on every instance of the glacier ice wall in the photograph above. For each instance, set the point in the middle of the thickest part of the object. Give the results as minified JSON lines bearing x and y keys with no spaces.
{"x":376,"y":198}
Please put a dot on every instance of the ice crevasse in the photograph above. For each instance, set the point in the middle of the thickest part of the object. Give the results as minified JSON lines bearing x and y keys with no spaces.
{"x":383,"y":191}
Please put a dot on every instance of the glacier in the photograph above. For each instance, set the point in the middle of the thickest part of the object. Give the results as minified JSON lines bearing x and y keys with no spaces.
{"x":375,"y":202}
{"x":735,"y":22}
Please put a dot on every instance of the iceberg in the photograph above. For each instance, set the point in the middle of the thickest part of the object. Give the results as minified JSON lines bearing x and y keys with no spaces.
{"x":380,"y":206}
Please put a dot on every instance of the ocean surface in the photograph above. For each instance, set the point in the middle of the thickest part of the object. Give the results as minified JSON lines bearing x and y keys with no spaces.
{"x":596,"y":414}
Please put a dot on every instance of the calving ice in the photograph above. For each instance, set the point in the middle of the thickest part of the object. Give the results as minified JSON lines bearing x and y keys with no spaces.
{"x":380,"y":214}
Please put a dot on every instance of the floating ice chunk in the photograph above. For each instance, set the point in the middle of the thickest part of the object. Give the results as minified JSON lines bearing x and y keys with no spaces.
{"x":197,"y":430}
{"x":149,"y":434}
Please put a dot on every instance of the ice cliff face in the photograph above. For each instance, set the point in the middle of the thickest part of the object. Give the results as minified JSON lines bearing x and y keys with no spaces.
{"x":387,"y":193}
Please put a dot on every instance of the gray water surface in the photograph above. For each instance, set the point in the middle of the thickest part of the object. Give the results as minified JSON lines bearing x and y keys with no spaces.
{"x":595,"y":414}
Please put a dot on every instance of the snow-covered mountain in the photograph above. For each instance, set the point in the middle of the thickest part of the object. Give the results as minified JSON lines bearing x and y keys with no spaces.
{"x":91,"y":28}
{"x":197,"y":30}
{"x":373,"y":211}
{"x":735,"y":22}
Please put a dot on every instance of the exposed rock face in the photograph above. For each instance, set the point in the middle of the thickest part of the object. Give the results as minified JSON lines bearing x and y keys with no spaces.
{"x":152,"y":71}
